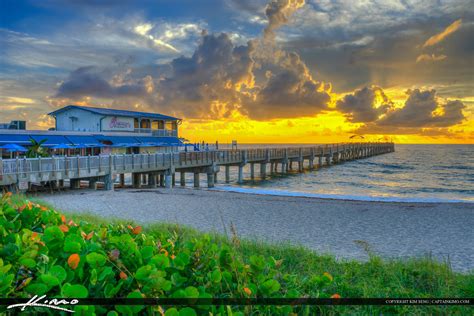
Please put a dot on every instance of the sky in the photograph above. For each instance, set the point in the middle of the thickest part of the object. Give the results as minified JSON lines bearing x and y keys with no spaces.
{"x":256,"y":71}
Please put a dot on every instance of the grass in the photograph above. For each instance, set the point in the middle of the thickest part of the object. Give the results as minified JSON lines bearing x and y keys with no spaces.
{"x":376,"y":278}
{"x":289,"y":269}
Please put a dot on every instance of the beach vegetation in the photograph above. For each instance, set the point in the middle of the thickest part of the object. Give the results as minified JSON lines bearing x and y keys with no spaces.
{"x":44,"y":252}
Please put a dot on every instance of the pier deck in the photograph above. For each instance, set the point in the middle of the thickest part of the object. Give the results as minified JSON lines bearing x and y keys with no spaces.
{"x":159,"y":169}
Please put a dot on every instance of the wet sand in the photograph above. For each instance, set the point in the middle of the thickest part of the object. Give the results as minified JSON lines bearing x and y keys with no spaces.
{"x":443,"y":230}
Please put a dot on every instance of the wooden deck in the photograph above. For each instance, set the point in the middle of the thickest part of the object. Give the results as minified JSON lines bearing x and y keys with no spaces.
{"x":160,"y":169}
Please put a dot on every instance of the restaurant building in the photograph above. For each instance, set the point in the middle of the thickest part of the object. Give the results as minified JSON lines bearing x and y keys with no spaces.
{"x":89,"y":130}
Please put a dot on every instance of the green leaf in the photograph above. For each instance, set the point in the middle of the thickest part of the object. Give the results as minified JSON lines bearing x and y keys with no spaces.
{"x":257,"y":262}
{"x":181,"y":260}
{"x":112,"y":313}
{"x":187,"y":311}
{"x":49,"y":280}
{"x":93,"y":278}
{"x":72,"y":243}
{"x":216,"y":276}
{"x":37,"y":288}
{"x":28,"y":262}
{"x":74,"y":291}
{"x":146,"y":252}
{"x":160,"y":261}
{"x":172,"y":312}
{"x":96,"y":259}
{"x":270,"y":286}
{"x":52,"y":233}
{"x":59,"y":272}
{"x":143,"y":272}
{"x":191,"y":292}
{"x":106,"y":273}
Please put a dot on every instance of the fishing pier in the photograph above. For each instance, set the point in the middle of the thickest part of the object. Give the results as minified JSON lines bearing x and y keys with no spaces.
{"x":160,"y":169}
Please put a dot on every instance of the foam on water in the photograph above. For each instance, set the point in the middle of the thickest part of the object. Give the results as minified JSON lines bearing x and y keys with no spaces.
{"x":336,"y":196}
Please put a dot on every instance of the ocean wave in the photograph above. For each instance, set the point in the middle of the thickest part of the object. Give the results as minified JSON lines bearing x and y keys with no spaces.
{"x":386,"y":165}
{"x":340,"y":196}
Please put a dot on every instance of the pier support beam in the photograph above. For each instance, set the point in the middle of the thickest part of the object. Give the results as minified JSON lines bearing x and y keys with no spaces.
{"x":75,"y":183}
{"x":136,"y":180}
{"x":168,"y":180}
{"x":109,"y":182}
{"x":122,"y":180}
{"x":227,"y":174}
{"x":241,"y":174}
{"x":210,"y":180}
{"x":196,"y":179}
{"x":173,"y":179}
{"x":93,"y":183}
{"x":162,"y":180}
{"x":152,"y":180}
{"x":182,"y":178}
{"x":263,"y":170}
{"x":252,"y":171}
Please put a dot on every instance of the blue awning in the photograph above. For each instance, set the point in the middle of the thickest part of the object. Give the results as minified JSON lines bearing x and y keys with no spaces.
{"x":161,"y":141}
{"x":51,"y":140}
{"x":87,"y":141}
{"x":119,"y":140}
{"x":19,"y":139}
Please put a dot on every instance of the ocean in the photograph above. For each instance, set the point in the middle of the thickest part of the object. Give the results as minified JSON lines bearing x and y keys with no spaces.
{"x":413,"y":173}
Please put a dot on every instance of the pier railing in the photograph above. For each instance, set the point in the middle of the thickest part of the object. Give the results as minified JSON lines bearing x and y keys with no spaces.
{"x":74,"y":167}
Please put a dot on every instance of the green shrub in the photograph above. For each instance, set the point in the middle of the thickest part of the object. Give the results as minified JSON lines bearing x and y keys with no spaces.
{"x":42,"y":252}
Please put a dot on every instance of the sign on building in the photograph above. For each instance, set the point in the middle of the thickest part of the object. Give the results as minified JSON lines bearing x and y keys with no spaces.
{"x":117,"y":123}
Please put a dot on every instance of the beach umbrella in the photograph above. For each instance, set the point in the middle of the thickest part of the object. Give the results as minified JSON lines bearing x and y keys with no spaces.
{"x":11,"y":148}
{"x":14,"y":148}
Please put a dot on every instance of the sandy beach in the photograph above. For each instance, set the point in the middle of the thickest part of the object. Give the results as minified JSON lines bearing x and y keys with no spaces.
{"x":443,"y":230}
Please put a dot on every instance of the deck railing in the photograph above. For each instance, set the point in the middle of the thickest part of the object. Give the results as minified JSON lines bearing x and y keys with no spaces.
{"x":132,"y":162}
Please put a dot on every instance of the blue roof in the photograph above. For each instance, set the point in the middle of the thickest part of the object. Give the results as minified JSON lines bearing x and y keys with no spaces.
{"x":83,"y":140}
{"x":51,"y":140}
{"x":91,"y":140}
{"x":15,"y":139}
{"x":160,"y":141}
{"x":105,"y":111}
{"x":115,"y":140}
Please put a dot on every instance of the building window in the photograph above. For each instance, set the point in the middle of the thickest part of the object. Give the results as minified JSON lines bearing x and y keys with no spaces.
{"x":169,"y":125}
{"x":154,"y":125}
{"x":135,"y":123}
{"x":145,"y":124}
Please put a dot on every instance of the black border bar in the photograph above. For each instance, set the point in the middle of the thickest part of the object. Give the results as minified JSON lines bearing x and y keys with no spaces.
{"x":251,"y":301}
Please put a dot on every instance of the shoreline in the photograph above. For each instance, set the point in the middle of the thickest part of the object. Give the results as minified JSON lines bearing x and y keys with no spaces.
{"x":336,"y":197}
{"x":327,"y":226}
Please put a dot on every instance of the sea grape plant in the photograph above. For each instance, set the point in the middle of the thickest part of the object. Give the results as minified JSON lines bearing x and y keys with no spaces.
{"x":44,"y":253}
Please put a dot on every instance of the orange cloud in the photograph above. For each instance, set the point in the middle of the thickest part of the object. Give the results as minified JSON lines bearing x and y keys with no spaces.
{"x":432,"y":57}
{"x":435,"y":39}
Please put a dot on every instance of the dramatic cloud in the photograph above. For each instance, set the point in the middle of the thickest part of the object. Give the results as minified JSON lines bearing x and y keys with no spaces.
{"x":88,"y":81}
{"x":423,"y":109}
{"x":435,"y":39}
{"x":278,"y":13}
{"x":428,"y":58}
{"x":216,"y":72}
{"x":290,"y":90}
{"x":365,"y":105}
